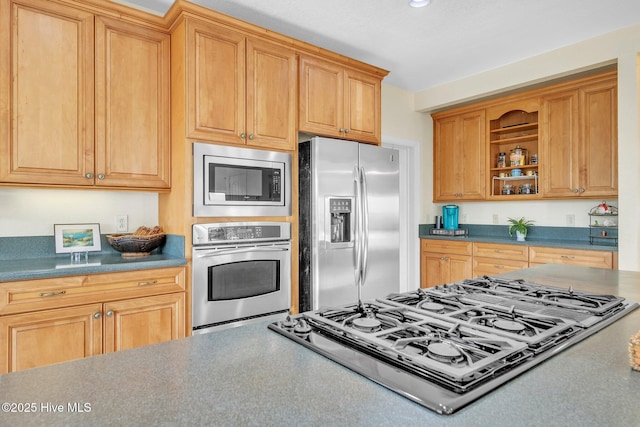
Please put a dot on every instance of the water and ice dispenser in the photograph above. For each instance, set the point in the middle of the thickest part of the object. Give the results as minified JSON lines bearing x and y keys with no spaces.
{"x":340,"y":221}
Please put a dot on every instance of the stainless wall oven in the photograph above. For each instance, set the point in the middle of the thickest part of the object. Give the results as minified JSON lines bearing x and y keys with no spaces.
{"x":237,"y":181}
{"x":241,"y":273}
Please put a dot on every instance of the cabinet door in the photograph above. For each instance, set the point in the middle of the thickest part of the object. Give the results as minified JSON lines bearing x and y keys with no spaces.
{"x":271,"y":95}
{"x":46,"y":91}
{"x":559,"y":148}
{"x":215,"y":74}
{"x":362,"y":107}
{"x":321,"y":104}
{"x":599,"y":148}
{"x":51,"y":336}
{"x":434,"y":270}
{"x":143,"y":321}
{"x":132,"y":105}
{"x":437,"y":269}
{"x":459,"y":157}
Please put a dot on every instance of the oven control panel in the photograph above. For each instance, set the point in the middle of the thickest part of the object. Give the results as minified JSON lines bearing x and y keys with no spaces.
{"x":220,"y":233}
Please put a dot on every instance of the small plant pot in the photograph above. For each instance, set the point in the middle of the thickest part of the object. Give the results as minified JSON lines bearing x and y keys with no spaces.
{"x":520,"y":237}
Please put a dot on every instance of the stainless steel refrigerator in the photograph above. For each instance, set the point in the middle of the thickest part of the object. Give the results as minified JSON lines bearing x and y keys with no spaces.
{"x":349,"y":235}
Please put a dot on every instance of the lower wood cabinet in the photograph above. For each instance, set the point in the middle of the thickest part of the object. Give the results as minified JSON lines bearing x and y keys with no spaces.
{"x":46,"y":336}
{"x":586,"y":258}
{"x":494,"y":258}
{"x":444,"y":261}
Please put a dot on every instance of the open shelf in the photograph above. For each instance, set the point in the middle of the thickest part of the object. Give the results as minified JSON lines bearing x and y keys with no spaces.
{"x":514,"y":132}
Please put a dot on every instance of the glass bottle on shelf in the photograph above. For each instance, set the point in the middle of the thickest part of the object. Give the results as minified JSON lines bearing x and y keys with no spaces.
{"x":502,"y":160}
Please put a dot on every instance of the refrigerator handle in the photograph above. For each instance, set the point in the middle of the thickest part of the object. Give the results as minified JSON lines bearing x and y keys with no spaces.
{"x":358,"y":238}
{"x":365,"y":224}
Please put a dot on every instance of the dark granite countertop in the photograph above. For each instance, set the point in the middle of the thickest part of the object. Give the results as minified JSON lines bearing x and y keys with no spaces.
{"x":24,"y":258}
{"x":251,"y":376}
{"x":560,"y":237}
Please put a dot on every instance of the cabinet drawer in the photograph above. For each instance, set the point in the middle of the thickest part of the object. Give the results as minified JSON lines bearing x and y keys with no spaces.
{"x":501,"y":251}
{"x":446,"y":246}
{"x":30,"y":295}
{"x":586,"y":258}
{"x":490,"y":266}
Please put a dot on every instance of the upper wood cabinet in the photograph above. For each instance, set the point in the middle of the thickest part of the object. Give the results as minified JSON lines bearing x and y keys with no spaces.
{"x":579,"y":150}
{"x":61,"y":67}
{"x":571,"y":126}
{"x":47,"y":85}
{"x":338,"y":101}
{"x":238,"y":89}
{"x":133,"y":111}
{"x":459,"y":160}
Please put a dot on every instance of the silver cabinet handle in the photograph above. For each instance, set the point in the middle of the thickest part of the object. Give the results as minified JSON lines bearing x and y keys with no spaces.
{"x":109,"y":313}
{"x":52,"y":294}
{"x":243,"y":135}
{"x":251,"y":136}
{"x":582,"y":190}
{"x":346,"y":131}
{"x":89,"y":175}
{"x":575,"y":190}
{"x":97,"y":315}
{"x":100,"y":176}
{"x":341,"y":130}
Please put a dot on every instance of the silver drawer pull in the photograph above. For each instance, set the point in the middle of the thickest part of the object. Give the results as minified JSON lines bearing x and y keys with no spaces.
{"x":52,"y":294}
{"x":567,"y":256}
{"x":150,"y":282}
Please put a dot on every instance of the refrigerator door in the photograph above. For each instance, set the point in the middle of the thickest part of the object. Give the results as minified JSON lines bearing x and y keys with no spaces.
{"x":382,"y":249}
{"x":334,"y":164}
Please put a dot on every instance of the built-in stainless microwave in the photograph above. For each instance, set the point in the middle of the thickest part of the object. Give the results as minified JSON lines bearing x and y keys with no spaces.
{"x":236,"y":181}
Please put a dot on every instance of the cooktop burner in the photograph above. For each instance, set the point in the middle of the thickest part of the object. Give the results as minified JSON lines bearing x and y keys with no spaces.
{"x":446,"y":346}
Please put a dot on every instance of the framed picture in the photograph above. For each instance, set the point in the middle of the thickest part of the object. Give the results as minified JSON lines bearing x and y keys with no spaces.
{"x":76,"y":238}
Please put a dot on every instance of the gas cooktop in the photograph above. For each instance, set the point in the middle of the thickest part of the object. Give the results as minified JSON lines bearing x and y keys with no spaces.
{"x":446,"y":346}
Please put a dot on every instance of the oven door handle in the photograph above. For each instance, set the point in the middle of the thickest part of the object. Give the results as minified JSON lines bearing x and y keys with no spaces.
{"x":242,"y":251}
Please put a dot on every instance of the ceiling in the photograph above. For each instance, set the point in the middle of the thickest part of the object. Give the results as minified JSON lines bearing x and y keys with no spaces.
{"x":442,"y":42}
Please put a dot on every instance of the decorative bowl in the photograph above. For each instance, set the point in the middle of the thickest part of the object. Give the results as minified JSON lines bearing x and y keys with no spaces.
{"x":133,"y":246}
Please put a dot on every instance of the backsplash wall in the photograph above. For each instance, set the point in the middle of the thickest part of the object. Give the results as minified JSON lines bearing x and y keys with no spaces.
{"x":33,"y":212}
{"x":553,"y":213}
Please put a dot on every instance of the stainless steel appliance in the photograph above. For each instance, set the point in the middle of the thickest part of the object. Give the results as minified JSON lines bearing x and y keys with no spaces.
{"x":446,"y":346}
{"x":349,"y":222}
{"x":236,"y":181}
{"x":241,"y":273}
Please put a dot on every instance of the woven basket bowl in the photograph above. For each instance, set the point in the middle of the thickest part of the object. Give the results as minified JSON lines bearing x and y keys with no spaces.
{"x":131,"y":246}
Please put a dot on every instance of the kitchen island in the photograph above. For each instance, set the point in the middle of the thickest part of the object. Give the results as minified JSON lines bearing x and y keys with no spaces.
{"x":253,"y":376}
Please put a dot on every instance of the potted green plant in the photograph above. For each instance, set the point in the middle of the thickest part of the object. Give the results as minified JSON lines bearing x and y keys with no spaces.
{"x":519,"y":226}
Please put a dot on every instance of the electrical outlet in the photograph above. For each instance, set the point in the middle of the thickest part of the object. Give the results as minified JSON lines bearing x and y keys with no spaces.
{"x":496,"y":219}
{"x":122,"y":223}
{"x":571,"y":220}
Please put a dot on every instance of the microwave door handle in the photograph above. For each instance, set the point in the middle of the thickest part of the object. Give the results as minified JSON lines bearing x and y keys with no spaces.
{"x":241,"y":251}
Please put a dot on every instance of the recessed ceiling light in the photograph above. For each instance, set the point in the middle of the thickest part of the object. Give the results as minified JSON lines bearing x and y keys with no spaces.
{"x":419,"y":3}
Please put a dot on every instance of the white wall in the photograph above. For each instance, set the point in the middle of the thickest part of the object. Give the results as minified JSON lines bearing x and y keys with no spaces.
{"x":33,"y":212}
{"x":621,"y":47}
